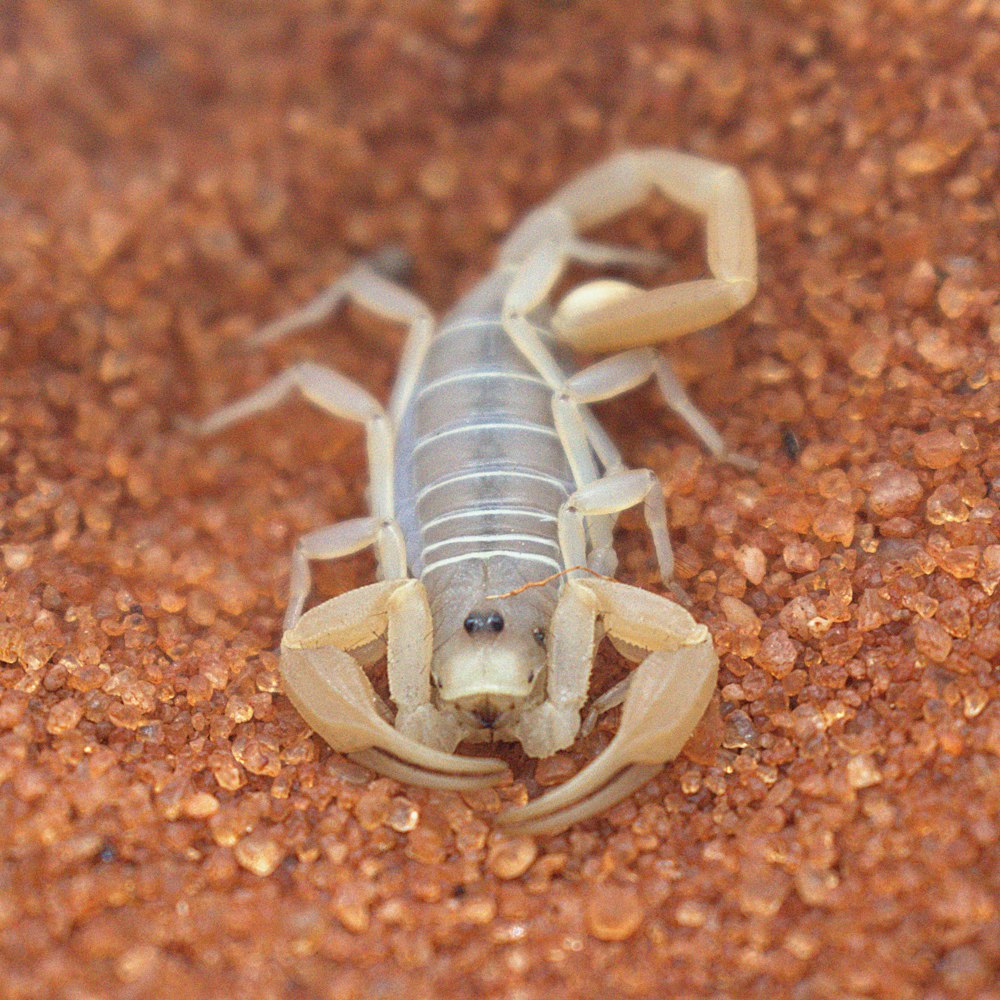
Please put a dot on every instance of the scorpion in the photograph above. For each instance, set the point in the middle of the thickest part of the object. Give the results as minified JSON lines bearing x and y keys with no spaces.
{"x":493,"y":492}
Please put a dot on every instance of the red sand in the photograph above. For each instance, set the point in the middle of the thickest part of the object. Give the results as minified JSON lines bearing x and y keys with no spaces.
{"x":174,"y":174}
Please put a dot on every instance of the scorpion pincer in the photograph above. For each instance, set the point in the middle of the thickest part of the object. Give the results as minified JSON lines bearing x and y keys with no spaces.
{"x":493,"y":495}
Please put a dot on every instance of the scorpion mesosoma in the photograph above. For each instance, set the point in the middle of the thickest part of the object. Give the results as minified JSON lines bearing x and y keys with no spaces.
{"x":488,"y":471}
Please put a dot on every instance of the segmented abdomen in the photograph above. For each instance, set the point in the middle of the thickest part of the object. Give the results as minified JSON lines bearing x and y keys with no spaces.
{"x":480,"y":468}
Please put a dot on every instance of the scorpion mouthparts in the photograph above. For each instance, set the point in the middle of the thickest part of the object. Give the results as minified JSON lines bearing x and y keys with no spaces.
{"x":488,"y":710}
{"x":487,"y":715}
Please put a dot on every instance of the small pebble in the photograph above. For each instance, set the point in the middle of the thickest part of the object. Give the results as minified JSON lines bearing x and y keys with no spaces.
{"x":801,"y":557}
{"x":201,"y":805}
{"x":777,"y":654}
{"x":932,"y":641}
{"x":613,"y":913}
{"x":862,"y":772}
{"x":351,"y":909}
{"x":17,"y":557}
{"x":921,"y":158}
{"x":64,"y":716}
{"x":260,"y":854}
{"x":511,"y":857}
{"x":835,"y":523}
{"x":555,"y":770}
{"x":895,"y":492}
{"x":751,"y":562}
{"x":426,"y":846}
{"x":870,"y":358}
{"x":403,"y":815}
{"x":937,"y":449}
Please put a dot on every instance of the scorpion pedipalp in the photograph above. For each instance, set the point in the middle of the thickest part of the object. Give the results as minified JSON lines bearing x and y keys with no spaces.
{"x":333,"y":694}
{"x":667,"y":695}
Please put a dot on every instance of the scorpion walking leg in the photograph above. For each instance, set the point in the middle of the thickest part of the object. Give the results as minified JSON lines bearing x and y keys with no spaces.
{"x":333,"y":542}
{"x":623,"y":372}
{"x":611,"y":698}
{"x":611,"y":495}
{"x":573,"y":431}
{"x":577,"y":428}
{"x":331,"y":692}
{"x":676,"y":397}
{"x":380,"y":296}
{"x":609,"y":255}
{"x":339,"y":396}
{"x":668,"y":693}
{"x":599,"y":382}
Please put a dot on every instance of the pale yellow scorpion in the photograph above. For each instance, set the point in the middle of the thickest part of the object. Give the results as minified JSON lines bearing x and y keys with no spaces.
{"x":493,"y":495}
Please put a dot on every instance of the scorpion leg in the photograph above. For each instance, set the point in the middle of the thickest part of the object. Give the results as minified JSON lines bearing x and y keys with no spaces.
{"x":676,"y":397}
{"x":370,"y":290}
{"x":667,"y":695}
{"x":620,"y":373}
{"x":340,"y":397}
{"x":576,"y":427}
{"x":611,"y":698}
{"x":334,"y":696}
{"x":334,"y":542}
{"x":578,"y":430}
{"x":582,"y":433}
{"x":609,"y":255}
{"x":611,"y":495}
{"x":574,"y":434}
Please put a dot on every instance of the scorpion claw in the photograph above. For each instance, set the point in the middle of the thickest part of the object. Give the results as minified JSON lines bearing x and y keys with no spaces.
{"x":575,"y":800}
{"x":334,"y":696}
{"x":481,"y":772}
{"x":667,"y":695}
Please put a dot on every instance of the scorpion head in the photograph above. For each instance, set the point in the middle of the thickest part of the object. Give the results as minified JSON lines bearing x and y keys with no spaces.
{"x":492,"y":659}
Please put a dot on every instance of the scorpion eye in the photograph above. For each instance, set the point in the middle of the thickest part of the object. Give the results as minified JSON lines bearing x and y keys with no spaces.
{"x":483,"y":621}
{"x":538,"y":634}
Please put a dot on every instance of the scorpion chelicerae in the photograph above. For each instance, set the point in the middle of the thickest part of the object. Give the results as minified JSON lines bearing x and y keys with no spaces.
{"x":493,"y":495}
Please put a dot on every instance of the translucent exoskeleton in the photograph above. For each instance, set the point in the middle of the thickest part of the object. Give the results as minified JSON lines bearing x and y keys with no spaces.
{"x":492,"y":484}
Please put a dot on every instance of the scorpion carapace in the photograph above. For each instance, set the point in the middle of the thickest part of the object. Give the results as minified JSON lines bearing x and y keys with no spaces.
{"x":493,"y":496}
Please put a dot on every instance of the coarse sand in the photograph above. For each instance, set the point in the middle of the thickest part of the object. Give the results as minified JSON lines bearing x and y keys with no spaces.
{"x":172,"y":175}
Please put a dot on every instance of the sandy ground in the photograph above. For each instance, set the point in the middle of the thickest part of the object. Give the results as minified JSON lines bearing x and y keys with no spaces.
{"x":173,"y":174}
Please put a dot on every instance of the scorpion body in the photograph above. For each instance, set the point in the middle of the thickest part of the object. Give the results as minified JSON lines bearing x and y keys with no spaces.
{"x":480,"y":477}
{"x":493,"y":495}
{"x":479,"y":465}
